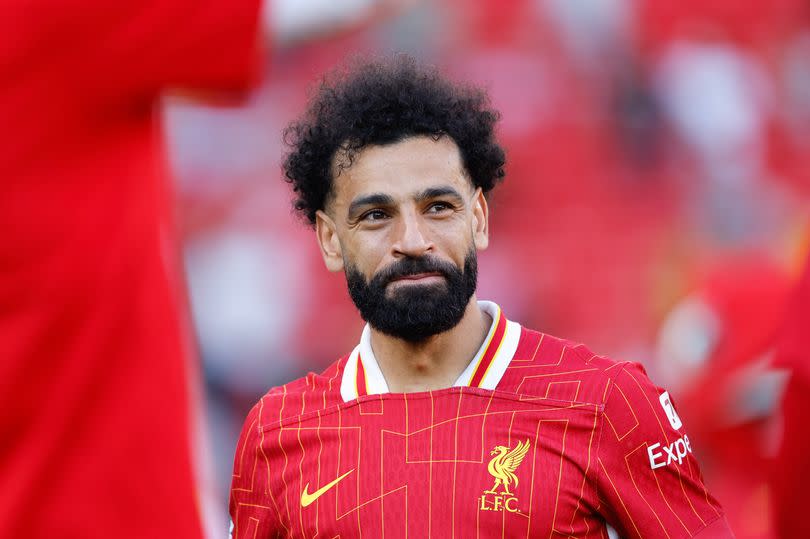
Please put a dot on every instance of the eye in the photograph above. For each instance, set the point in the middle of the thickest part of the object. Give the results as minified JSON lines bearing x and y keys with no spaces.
{"x":374,"y":215}
{"x":439,"y":207}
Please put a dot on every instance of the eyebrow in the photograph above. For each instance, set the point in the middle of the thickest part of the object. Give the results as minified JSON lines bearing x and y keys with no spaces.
{"x":374,"y":199}
{"x":437,"y":192}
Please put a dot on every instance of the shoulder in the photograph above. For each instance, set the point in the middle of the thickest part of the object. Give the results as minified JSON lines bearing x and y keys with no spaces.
{"x":545,"y":366}
{"x":305,"y":395}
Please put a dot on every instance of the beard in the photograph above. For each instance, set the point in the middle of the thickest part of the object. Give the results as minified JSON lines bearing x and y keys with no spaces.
{"x":414,"y":312}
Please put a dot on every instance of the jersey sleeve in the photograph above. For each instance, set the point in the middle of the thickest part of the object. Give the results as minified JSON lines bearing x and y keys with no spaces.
{"x":125,"y":50}
{"x":649,"y":482}
{"x":253,"y":509}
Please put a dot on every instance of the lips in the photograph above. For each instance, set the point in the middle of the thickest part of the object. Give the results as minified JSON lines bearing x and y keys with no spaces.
{"x":417,"y":276}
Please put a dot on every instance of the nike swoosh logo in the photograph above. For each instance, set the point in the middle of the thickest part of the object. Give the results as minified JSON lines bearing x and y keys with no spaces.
{"x":307,"y":498}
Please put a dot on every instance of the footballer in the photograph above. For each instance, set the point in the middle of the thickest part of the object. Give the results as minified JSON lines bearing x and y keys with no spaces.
{"x":447,"y":419}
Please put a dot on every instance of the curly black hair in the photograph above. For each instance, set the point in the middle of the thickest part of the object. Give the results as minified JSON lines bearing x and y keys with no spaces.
{"x":378,"y":102}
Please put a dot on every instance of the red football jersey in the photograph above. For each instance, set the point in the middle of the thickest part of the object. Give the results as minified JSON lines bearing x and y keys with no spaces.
{"x":95,"y":428}
{"x":538,"y":438}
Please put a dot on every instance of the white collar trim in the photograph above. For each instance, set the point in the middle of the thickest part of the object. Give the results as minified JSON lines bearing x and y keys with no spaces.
{"x":485,"y":369}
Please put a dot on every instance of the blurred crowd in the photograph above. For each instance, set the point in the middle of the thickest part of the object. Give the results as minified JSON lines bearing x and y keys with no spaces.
{"x":655,"y":205}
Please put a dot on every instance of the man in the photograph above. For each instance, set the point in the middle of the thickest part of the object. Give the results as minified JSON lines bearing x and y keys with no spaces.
{"x":447,"y":419}
{"x":95,"y":436}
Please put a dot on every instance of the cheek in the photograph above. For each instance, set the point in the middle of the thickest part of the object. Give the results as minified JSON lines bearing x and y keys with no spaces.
{"x":455,"y":241}
{"x":365,"y":256}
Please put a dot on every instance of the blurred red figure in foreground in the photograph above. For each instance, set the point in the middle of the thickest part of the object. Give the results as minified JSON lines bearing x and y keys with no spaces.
{"x":715,"y":352}
{"x":792,"y":466}
{"x":95,"y":435}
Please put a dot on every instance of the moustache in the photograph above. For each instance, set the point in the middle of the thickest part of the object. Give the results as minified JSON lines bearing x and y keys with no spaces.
{"x":414,"y":266}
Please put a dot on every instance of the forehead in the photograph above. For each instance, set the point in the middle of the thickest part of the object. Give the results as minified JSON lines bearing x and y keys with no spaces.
{"x":402,"y":169}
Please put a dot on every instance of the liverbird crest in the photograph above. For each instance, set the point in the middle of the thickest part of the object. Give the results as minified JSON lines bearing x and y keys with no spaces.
{"x":503,"y":466}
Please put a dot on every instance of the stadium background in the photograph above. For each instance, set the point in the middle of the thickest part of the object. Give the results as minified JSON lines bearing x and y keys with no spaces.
{"x":655,"y":206}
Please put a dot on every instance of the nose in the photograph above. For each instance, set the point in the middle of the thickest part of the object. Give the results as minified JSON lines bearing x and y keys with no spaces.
{"x":412,"y":239}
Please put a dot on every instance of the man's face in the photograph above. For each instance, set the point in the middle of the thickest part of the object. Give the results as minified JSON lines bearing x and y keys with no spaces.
{"x":404,"y":222}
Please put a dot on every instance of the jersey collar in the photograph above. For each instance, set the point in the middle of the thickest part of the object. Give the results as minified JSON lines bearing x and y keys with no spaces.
{"x":362,"y":374}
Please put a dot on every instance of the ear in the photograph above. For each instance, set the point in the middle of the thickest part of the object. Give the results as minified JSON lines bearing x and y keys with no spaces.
{"x":328,"y":241}
{"x":480,"y":220}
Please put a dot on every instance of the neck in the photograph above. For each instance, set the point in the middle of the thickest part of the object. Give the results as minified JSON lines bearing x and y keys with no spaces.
{"x":436,"y":362}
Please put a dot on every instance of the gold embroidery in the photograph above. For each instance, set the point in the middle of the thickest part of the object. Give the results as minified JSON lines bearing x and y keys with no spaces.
{"x":502,"y":467}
